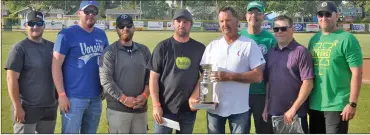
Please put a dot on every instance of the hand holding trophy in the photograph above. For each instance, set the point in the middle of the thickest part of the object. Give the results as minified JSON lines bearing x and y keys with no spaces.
{"x":206,"y":90}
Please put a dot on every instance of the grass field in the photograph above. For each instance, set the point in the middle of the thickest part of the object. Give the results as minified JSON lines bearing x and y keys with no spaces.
{"x":360,"y":124}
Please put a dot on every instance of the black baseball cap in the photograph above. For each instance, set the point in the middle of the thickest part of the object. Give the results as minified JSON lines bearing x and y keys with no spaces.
{"x":183,"y":13}
{"x":124,"y":19}
{"x":34,"y":16}
{"x":327,"y":6}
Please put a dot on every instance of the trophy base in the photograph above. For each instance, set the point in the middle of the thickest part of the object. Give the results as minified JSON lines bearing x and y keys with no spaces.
{"x":206,"y":105}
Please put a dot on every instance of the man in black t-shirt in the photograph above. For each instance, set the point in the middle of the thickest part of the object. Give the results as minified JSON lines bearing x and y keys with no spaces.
{"x":174,"y":73}
{"x":30,"y":83}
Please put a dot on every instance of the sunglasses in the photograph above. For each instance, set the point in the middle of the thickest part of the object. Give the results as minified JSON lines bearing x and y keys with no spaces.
{"x":39,"y":23}
{"x":282,"y":29}
{"x":326,"y":14}
{"x":91,"y":11}
{"x":123,"y":26}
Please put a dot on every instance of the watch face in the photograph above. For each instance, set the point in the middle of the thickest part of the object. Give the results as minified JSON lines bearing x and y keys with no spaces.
{"x":353,"y":104}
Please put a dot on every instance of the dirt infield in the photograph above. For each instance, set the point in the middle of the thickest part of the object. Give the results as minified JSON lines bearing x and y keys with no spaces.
{"x":366,"y":71}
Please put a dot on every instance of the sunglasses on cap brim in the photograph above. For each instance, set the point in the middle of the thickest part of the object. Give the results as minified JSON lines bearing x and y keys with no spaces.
{"x":326,"y":14}
{"x":122,"y":26}
{"x":38,"y":23}
{"x":282,"y":29}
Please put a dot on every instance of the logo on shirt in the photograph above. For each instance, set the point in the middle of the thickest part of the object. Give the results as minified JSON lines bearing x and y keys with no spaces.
{"x":240,"y":54}
{"x":89,"y":52}
{"x":183,"y":62}
{"x":321,"y":55}
{"x":263,"y":48}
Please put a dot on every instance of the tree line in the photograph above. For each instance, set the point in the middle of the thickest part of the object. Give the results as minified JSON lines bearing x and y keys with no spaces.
{"x":201,"y":10}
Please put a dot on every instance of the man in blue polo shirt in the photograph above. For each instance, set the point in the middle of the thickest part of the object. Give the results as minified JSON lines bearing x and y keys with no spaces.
{"x":76,"y":72}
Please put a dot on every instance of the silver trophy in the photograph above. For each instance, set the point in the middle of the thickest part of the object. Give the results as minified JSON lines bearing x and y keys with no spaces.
{"x":206,"y":90}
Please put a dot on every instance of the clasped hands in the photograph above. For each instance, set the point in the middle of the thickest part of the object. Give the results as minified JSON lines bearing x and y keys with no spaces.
{"x":134,"y":102}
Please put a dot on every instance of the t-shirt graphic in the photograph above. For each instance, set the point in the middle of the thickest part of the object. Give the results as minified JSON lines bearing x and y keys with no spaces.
{"x":321,"y":55}
{"x":90,"y":51}
{"x":183,"y":62}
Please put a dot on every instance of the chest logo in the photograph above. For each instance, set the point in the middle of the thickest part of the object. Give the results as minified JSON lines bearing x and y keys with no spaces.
{"x":240,"y":54}
{"x":263,"y":48}
{"x":183,"y":62}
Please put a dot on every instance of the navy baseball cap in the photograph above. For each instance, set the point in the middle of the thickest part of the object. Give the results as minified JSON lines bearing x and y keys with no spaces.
{"x":124,"y":19}
{"x":34,"y":16}
{"x":86,"y":3}
{"x":327,"y":6}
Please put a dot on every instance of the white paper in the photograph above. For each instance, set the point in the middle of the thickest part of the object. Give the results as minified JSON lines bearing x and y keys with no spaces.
{"x":170,"y":123}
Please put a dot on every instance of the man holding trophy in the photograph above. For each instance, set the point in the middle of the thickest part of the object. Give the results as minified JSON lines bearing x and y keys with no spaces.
{"x":231,"y":63}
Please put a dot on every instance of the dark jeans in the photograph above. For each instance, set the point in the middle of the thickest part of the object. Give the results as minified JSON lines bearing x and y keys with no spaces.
{"x":257,"y":104}
{"x":238,"y":123}
{"x":186,"y":121}
{"x":327,"y":122}
{"x":304,"y":124}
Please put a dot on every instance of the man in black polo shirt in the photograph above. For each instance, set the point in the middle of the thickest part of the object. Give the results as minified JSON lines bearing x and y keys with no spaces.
{"x":30,"y":82}
{"x":174,"y":75}
{"x":124,"y":78}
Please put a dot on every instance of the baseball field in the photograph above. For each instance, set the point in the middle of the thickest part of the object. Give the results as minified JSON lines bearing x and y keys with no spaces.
{"x":360,"y":124}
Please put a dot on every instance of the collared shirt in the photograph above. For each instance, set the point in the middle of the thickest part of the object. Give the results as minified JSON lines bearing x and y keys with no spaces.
{"x":123,"y":71}
{"x":285,"y":71}
{"x":241,"y":56}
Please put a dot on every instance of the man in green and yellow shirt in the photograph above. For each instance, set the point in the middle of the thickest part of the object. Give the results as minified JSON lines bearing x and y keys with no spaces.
{"x":265,"y":40}
{"x":337,"y":61}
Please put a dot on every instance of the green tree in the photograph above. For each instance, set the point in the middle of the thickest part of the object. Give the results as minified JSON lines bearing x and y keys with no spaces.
{"x":40,"y":5}
{"x":158,"y":9}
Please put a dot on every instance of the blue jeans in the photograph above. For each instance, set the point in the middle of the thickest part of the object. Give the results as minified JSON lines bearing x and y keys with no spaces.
{"x":238,"y":123}
{"x":83,"y":116}
{"x":186,"y":121}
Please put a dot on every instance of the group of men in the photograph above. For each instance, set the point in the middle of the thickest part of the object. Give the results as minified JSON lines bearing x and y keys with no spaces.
{"x":254,"y":72}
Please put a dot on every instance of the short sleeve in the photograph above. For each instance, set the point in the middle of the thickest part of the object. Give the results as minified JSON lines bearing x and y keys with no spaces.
{"x":305,"y":66}
{"x":156,"y":60}
{"x":61,"y":45}
{"x":15,"y":59}
{"x":255,"y":57}
{"x":352,"y":52}
{"x":205,"y":57}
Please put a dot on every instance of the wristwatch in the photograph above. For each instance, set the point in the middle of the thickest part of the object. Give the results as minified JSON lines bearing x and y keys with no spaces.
{"x":353,"y":104}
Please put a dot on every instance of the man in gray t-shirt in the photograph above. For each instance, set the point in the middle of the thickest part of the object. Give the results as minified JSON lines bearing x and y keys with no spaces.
{"x":30,"y":82}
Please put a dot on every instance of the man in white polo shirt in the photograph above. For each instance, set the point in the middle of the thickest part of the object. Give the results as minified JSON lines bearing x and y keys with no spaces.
{"x":236,"y":61}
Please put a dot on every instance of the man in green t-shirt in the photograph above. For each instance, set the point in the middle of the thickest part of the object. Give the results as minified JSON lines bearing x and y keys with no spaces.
{"x":337,"y":61}
{"x":265,"y":40}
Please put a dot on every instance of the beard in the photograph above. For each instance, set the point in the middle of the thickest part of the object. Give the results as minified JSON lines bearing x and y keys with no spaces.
{"x":183,"y":33}
{"x":125,"y":36}
{"x":35,"y":36}
{"x":90,"y":25}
